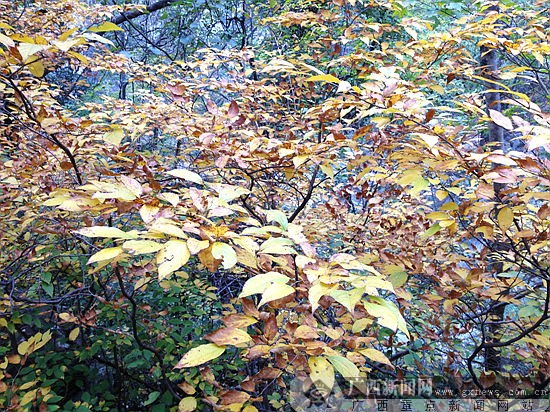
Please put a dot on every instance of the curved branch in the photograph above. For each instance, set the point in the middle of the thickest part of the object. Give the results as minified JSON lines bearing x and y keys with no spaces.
{"x":161,"y":4}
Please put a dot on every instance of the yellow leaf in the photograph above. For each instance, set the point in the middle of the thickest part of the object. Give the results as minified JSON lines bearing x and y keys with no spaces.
{"x":228,"y":336}
{"x":168,"y":229}
{"x":187,"y":404}
{"x":107,"y":26}
{"x":195,"y":246}
{"x":23,"y":348}
{"x":65,"y":45}
{"x":225,"y":253}
{"x":28,"y":397}
{"x":322,"y":371}
{"x":277,"y":246}
{"x":347,"y":298}
{"x":174,"y":255}
{"x":105,"y":254}
{"x":36,"y":68}
{"x":276,"y":291}
{"x":115,"y":136}
{"x":148,"y":212}
{"x":6,"y":41}
{"x":26,"y":50}
{"x":505,"y":218}
{"x":186,"y":175}
{"x":259,"y":283}
{"x":199,"y":355}
{"x":106,"y":231}
{"x":316,"y":292}
{"x":140,"y":247}
{"x":74,"y":334}
{"x":323,"y":78}
{"x":375,"y":355}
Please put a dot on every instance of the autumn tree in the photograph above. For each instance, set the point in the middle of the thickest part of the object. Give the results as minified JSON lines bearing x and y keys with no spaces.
{"x":214,"y":224}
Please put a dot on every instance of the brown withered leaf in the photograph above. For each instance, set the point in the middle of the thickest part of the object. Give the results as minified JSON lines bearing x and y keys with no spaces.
{"x":232,"y":396}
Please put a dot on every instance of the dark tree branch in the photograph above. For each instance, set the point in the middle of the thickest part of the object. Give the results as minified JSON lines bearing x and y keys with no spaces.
{"x":161,"y":4}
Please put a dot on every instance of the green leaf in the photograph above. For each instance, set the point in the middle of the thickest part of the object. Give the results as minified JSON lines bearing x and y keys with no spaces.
{"x":153,"y":396}
{"x":199,"y":355}
{"x":433,"y":229}
{"x":343,"y":365}
{"x":277,"y":216}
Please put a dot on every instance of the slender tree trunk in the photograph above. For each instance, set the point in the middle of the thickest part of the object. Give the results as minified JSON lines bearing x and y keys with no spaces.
{"x":493,"y":140}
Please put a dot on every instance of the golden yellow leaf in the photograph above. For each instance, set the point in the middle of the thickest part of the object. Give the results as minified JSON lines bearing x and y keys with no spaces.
{"x":375,"y":355}
{"x":199,"y":355}
{"x":228,"y":336}
{"x":505,"y":218}
{"x":105,"y":254}
{"x":107,"y":26}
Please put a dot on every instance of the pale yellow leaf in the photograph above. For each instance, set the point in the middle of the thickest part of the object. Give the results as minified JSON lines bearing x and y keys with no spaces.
{"x":148,"y":212}
{"x":347,"y":298}
{"x":276,"y":291}
{"x":316,"y":292}
{"x":277,"y":246}
{"x":114,"y":136}
{"x":26,"y":50}
{"x":500,"y":119}
{"x":259,"y":283}
{"x":174,"y":255}
{"x":321,"y":370}
{"x":186,"y":175}
{"x":6,"y":41}
{"x":195,"y":246}
{"x":226,"y":253}
{"x":106,"y":231}
{"x":139,"y":247}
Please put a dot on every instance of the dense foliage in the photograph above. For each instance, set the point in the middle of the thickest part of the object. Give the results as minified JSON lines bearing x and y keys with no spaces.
{"x":202,"y":201}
